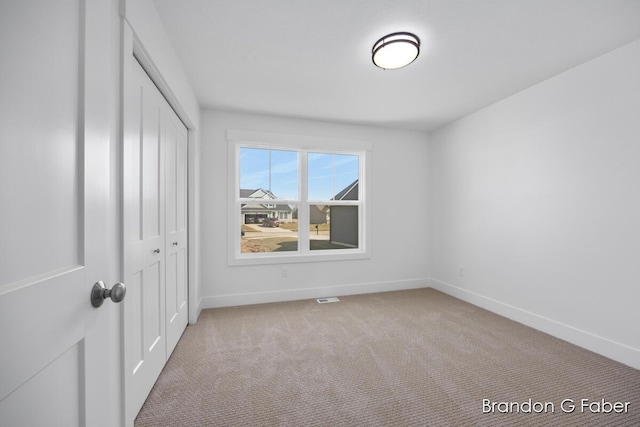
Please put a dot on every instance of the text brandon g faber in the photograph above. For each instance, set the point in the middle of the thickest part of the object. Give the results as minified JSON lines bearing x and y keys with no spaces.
{"x":567,"y":406}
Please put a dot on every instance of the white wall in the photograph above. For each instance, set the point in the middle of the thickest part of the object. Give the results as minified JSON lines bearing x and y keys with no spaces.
{"x":398,"y":215}
{"x":537,"y":198}
{"x":145,"y":21}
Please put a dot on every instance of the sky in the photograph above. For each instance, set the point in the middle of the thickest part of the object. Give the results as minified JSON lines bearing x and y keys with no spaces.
{"x":277,"y":170}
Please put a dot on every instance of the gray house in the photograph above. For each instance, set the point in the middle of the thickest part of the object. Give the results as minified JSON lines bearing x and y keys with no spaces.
{"x":343,"y":225}
{"x":255,"y":213}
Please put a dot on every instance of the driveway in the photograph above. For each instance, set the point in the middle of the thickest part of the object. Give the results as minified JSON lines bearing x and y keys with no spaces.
{"x":261,"y":229}
{"x":267,"y":232}
{"x":270,"y":232}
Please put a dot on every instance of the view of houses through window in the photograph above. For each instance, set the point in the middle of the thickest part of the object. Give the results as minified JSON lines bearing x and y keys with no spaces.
{"x":284,"y":210}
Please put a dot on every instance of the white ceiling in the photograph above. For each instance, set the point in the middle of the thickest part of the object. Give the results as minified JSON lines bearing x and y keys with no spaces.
{"x":312,"y":58}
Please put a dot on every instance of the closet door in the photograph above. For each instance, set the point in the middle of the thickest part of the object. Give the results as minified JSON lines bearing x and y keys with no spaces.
{"x":144,"y":238}
{"x":155,"y":237}
{"x":176,"y":228}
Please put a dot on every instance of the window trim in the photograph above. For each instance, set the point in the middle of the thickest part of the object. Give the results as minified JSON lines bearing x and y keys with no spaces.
{"x":303,"y":144}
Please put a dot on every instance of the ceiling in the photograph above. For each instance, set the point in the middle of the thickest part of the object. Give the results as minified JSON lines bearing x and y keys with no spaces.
{"x":312,"y":59}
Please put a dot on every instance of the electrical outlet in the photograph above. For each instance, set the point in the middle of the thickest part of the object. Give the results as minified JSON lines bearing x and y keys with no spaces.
{"x":285,"y":273}
{"x":461,"y":271}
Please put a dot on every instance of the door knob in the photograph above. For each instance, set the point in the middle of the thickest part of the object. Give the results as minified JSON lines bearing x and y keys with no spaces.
{"x":99,"y":293}
{"x":156,"y":251}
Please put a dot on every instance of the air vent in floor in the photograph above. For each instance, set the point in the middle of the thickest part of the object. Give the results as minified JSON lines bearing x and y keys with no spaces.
{"x":326,"y":300}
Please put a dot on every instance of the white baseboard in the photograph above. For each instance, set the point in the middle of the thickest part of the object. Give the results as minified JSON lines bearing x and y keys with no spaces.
{"x":619,"y":352}
{"x":193,"y":316}
{"x":231,"y":300}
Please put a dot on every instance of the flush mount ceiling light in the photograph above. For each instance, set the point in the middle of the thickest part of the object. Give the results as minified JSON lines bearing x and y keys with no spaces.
{"x":395,"y":50}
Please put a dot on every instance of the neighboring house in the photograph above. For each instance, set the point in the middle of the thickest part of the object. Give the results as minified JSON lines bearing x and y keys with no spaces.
{"x":349,"y":193}
{"x":343,"y":224}
{"x":318,"y":214}
{"x":255,"y":213}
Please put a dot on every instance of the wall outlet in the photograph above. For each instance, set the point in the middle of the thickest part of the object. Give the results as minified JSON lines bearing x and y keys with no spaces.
{"x":461,"y":271}
{"x":285,"y":273}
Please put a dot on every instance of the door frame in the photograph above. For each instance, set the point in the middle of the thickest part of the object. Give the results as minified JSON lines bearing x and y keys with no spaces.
{"x":133,"y":50}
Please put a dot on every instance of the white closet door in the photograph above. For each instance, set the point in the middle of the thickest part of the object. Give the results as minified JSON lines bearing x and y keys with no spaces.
{"x":144,"y":238}
{"x":155,"y":223}
{"x":176,"y":228}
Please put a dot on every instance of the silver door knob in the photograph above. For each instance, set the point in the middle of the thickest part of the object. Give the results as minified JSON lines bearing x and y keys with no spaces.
{"x":99,"y":293}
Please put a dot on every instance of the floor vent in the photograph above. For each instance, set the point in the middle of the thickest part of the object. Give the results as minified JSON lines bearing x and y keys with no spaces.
{"x":327,"y":300}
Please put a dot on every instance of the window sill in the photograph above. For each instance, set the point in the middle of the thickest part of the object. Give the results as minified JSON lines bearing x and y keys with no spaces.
{"x":281,"y":258}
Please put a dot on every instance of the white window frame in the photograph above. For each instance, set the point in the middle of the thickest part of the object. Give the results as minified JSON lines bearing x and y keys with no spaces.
{"x":303,"y":145}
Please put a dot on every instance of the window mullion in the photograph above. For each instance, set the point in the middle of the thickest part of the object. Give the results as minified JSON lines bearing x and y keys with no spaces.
{"x":303,"y":209}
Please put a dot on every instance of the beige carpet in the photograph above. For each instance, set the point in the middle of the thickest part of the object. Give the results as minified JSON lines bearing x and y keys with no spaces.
{"x":405,"y":358}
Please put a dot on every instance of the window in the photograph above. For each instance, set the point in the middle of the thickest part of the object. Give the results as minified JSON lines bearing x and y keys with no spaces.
{"x":296,"y":199}
{"x":333,"y":181}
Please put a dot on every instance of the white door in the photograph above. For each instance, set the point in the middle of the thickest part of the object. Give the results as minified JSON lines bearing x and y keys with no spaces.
{"x":145,"y":335}
{"x":54,"y":199}
{"x":176,"y":228}
{"x":155,"y":234}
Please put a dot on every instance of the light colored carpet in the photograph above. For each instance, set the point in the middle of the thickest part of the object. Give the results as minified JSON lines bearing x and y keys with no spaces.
{"x":404,"y":358}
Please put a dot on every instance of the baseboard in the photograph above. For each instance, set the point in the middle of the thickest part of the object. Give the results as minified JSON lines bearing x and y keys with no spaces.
{"x":231,"y":300}
{"x":619,"y":352}
{"x":193,"y":316}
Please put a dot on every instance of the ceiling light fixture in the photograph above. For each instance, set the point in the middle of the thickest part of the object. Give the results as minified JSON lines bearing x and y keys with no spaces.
{"x":395,"y":50}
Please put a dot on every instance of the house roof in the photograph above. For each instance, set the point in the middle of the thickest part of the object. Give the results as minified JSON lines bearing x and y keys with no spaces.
{"x":350,"y":192}
{"x":262,"y":194}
